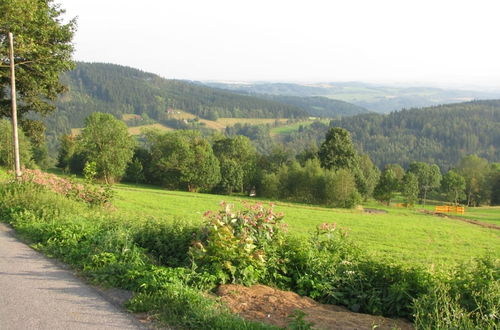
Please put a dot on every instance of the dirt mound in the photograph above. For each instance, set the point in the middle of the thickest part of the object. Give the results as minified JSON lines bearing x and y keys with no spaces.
{"x":273,"y":306}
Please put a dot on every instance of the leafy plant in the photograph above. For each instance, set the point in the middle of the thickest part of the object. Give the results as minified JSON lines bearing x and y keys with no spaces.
{"x":236,"y":246}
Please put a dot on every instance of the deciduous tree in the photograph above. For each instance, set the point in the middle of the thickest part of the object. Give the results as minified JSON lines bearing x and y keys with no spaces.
{"x":453,"y":185}
{"x":43,"y":50}
{"x":105,"y":140}
{"x":337,"y":151}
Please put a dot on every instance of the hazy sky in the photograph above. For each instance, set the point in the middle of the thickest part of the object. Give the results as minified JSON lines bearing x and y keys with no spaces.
{"x":430,"y":41}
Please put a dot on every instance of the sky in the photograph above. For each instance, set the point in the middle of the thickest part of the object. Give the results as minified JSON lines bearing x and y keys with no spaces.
{"x":438,"y":42}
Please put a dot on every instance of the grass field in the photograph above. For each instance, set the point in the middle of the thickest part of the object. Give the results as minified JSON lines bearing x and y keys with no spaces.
{"x":286,"y":129}
{"x":489,"y":214}
{"x":252,"y":121}
{"x":136,"y":130}
{"x":400,"y":234}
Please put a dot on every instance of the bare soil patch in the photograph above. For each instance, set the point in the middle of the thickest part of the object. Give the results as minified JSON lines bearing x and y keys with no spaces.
{"x":264,"y":304}
{"x":374,"y":211}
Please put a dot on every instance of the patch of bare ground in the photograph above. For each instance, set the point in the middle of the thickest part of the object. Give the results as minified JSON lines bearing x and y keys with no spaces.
{"x":474,"y":222}
{"x":272,"y":306}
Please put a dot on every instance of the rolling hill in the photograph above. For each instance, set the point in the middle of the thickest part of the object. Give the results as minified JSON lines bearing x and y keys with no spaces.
{"x":440,"y":134}
{"x":376,"y":98}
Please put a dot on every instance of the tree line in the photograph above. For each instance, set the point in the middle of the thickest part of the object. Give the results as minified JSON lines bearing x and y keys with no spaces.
{"x":440,"y":135}
{"x":335,"y":174}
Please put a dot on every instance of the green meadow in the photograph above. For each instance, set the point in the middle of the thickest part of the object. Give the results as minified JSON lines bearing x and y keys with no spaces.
{"x":401,"y":235}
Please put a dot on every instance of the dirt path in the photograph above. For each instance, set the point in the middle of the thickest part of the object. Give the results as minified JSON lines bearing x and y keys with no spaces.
{"x":36,"y":293}
{"x":474,"y":222}
{"x":273,"y":306}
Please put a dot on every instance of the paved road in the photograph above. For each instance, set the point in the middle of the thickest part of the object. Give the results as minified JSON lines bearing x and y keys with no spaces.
{"x":36,"y":293}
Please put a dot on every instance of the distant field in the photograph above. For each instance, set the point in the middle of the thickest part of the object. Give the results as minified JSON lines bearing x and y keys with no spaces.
{"x":128,"y":116}
{"x":252,"y":121}
{"x":401,"y":234}
{"x":286,"y":129}
{"x":136,"y":130}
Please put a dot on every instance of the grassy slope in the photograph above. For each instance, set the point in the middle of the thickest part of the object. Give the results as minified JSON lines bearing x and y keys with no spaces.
{"x":484,"y":214}
{"x":400,"y":234}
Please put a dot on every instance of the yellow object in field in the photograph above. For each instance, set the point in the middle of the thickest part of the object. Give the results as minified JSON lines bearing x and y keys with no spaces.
{"x":449,"y":209}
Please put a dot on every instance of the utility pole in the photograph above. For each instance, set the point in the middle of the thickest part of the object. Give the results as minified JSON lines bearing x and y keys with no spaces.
{"x":17,"y":163}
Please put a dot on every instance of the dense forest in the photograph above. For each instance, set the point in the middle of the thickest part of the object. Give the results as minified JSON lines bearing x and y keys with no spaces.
{"x":319,"y":106}
{"x":441,"y":134}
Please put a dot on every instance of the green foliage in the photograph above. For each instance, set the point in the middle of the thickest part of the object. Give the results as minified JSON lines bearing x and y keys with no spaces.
{"x":43,"y":49}
{"x":104,"y":250}
{"x":183,"y":160}
{"x":327,"y":266}
{"x":311,"y":184}
{"x":135,"y":171}
{"x":369,"y":173}
{"x":386,"y":187}
{"x":167,"y":241}
{"x":340,"y":189}
{"x":7,"y":149}
{"x":237,"y":157}
{"x":441,"y":134}
{"x":318,"y":106}
{"x":331,"y":269}
{"x":409,"y":189}
{"x":475,"y":171}
{"x":337,"y":152}
{"x":106,"y":142}
{"x":428,"y":176}
{"x":90,"y":171}
{"x":66,"y":151}
{"x":466,"y":298}
{"x":298,"y":321}
{"x":453,"y":185}
{"x":238,"y":246}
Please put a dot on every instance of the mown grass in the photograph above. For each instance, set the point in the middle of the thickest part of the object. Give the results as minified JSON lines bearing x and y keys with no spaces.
{"x":400,"y":234}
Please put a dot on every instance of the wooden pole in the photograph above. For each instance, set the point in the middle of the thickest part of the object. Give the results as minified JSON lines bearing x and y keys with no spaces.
{"x":17,"y":163}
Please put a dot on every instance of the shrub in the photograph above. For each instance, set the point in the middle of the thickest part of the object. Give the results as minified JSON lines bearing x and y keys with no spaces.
{"x":237,"y":246}
{"x":331,"y":269}
{"x":167,"y":241}
{"x":467,"y":297}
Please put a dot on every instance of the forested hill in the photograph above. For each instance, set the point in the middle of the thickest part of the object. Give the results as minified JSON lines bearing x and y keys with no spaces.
{"x":122,"y":90}
{"x":440,"y":134}
{"x":319,"y":106}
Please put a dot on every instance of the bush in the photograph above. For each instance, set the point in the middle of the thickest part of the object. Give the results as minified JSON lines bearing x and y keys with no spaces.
{"x":237,"y":246}
{"x":468,"y":297}
{"x":167,"y":241}
{"x":331,"y":269}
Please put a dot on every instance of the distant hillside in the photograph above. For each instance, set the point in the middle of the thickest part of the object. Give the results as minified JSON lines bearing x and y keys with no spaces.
{"x":122,"y":90}
{"x":318,"y":106}
{"x":377,"y":98}
{"x":440,"y":134}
